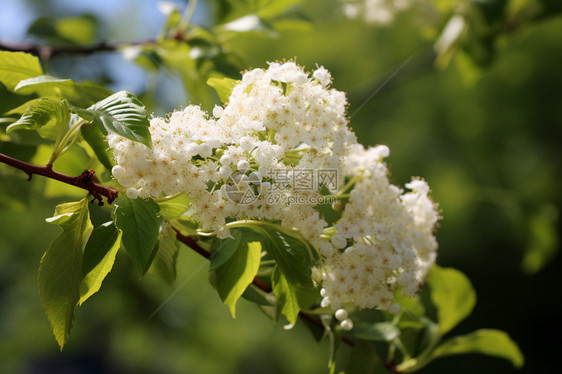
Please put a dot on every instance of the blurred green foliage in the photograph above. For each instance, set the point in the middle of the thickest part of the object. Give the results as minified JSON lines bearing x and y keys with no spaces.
{"x":485,"y":135}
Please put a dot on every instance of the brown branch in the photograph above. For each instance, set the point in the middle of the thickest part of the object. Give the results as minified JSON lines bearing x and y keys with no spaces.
{"x":48,"y":51}
{"x":191,"y":243}
{"x":84,"y":181}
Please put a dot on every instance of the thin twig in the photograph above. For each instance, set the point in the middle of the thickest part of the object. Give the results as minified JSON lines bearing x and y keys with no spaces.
{"x":48,"y":51}
{"x":84,"y":181}
{"x":191,"y":243}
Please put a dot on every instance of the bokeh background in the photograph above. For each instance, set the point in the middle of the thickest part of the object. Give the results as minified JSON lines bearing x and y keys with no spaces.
{"x":487,"y":139}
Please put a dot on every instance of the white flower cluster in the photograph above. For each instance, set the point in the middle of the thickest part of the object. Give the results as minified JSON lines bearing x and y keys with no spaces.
{"x":375,"y":12}
{"x":279,"y":123}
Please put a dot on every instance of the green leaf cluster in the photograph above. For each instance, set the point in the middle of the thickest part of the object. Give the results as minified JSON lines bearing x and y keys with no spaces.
{"x":75,"y":264}
{"x":236,"y":261}
{"x":69,"y":112}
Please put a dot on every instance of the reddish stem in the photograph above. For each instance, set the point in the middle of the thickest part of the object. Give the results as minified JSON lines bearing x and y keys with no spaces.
{"x":84,"y":181}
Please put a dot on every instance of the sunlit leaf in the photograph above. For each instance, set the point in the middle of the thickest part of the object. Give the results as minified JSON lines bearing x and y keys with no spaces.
{"x":175,"y":207}
{"x":82,"y":94}
{"x":453,"y":296}
{"x":485,"y":341}
{"x":123,"y":114}
{"x":140,"y":222}
{"x":60,"y":271}
{"x":223,"y":86}
{"x":234,"y":276}
{"x":98,"y":259}
{"x":228,"y":247}
{"x":48,"y":116}
{"x":16,"y":66}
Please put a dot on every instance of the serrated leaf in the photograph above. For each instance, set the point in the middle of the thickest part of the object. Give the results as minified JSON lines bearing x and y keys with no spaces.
{"x":485,"y":341}
{"x":223,"y":86}
{"x":81,"y":94}
{"x":48,"y":116}
{"x":234,"y":276}
{"x":453,"y":296}
{"x":23,"y":107}
{"x":34,"y":85}
{"x":286,"y":295}
{"x":98,"y":259}
{"x":123,"y":114}
{"x":16,"y":66}
{"x":140,"y":222}
{"x":60,"y":271}
{"x":164,"y":264}
{"x":381,"y":331}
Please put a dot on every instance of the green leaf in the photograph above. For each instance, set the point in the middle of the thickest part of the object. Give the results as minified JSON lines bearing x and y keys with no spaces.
{"x":228,"y":247}
{"x":485,"y":341}
{"x":140,"y":222}
{"x":164,"y":264}
{"x":411,"y":306}
{"x":223,"y":86}
{"x":256,"y":295}
{"x":81,"y":94}
{"x":275,"y":8}
{"x":453,"y":296}
{"x":98,"y":259}
{"x":234,"y":276}
{"x":15,"y":66}
{"x":23,"y":107}
{"x":381,"y":331}
{"x":286,"y":295}
{"x":291,"y":256}
{"x":123,"y":114}
{"x":175,"y":207}
{"x":48,"y":116}
{"x":93,"y":136}
{"x":292,"y":283}
{"x":60,"y":271}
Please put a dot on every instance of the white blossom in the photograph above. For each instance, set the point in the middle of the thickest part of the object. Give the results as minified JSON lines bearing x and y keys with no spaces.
{"x":243,"y":162}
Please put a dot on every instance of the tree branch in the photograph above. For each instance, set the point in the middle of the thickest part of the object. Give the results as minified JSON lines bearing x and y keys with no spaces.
{"x":48,"y":51}
{"x":191,"y":243}
{"x":84,"y":180}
